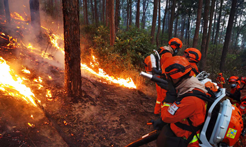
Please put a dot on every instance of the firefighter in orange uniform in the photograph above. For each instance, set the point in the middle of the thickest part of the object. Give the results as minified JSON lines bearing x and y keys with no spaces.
{"x":193,"y":55}
{"x":186,"y":110}
{"x":242,"y":106}
{"x":165,"y":52}
{"x":220,"y":80}
{"x":235,"y":93}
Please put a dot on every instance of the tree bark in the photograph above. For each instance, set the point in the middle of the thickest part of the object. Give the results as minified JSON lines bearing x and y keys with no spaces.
{"x":198,"y":21}
{"x":112,"y":25}
{"x":154,"y":22}
{"x":218,"y":23}
{"x":72,"y":48}
{"x":188,"y":30}
{"x":209,"y":31}
{"x":35,"y":16}
{"x":204,"y":36}
{"x":159,"y":22}
{"x":228,"y":35}
{"x":85,"y":12}
{"x":92,"y":12}
{"x":170,"y":31}
{"x":128,"y":15}
{"x":182,"y":28}
{"x":144,"y":11}
{"x":96,"y":15}
{"x":7,"y":13}
{"x":214,"y":21}
{"x":107,"y":12}
{"x":103,"y":12}
{"x":1,"y":7}
{"x":117,"y":15}
{"x":130,"y":7}
{"x":176,"y":27}
{"x":138,"y":14}
{"x":164,"y":20}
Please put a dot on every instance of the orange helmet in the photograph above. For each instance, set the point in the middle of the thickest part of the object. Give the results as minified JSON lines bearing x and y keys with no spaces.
{"x":193,"y":54}
{"x":175,"y":43}
{"x":220,"y":74}
{"x":234,"y":79}
{"x":235,"y":127}
{"x":176,"y":67}
{"x":211,"y":86}
{"x":243,"y":80}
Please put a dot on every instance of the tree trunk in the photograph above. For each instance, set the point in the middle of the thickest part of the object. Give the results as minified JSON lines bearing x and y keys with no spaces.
{"x":112,"y":25}
{"x":182,"y":28}
{"x":117,"y":15}
{"x":96,"y":15}
{"x":218,"y":23}
{"x":130,"y":7}
{"x":103,"y":12}
{"x":159,"y":23}
{"x":1,"y":7}
{"x":35,"y":16}
{"x":154,"y":22}
{"x":128,"y":15}
{"x":198,"y":21}
{"x":92,"y":12}
{"x":138,"y":14}
{"x":214,"y":21}
{"x":144,"y":11}
{"x":85,"y":12}
{"x":170,"y":31}
{"x":228,"y":35}
{"x":176,"y":27}
{"x":72,"y":48}
{"x":209,"y":31}
{"x":107,"y":13}
{"x":188,"y":30}
{"x":7,"y":13}
{"x":164,"y":20}
{"x":204,"y":36}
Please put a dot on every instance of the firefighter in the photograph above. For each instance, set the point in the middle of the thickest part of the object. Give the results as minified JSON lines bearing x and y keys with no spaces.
{"x":172,"y":49}
{"x":152,"y":64}
{"x":183,"y":112}
{"x":235,"y":92}
{"x":193,"y":55}
{"x":220,"y":80}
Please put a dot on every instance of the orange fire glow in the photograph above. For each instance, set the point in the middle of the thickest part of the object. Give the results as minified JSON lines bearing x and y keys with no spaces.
{"x":12,"y":83}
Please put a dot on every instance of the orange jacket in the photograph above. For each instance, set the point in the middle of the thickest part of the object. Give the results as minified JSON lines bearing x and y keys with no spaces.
{"x":194,"y":70}
{"x":161,"y":95}
{"x":220,"y":81}
{"x":189,"y":107}
{"x":235,"y":95}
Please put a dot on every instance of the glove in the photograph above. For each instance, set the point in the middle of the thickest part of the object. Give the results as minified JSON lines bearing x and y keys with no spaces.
{"x":156,"y":71}
{"x":158,"y":124}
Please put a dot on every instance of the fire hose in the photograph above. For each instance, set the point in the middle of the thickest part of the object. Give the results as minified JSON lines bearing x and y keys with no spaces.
{"x":162,"y":83}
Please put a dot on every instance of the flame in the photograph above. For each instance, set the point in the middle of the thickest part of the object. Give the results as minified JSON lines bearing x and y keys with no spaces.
{"x":31,"y":125}
{"x":7,"y":83}
{"x":48,"y":93}
{"x":26,"y":71}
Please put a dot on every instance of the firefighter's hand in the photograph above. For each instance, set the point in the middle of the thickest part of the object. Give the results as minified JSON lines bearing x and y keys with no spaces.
{"x":158,"y":124}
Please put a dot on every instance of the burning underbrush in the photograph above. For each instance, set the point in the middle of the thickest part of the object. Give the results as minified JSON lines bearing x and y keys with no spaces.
{"x":33,"y":108}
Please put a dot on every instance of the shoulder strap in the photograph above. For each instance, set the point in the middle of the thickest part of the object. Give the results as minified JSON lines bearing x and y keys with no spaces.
{"x":163,"y":52}
{"x":195,"y":71}
{"x":198,"y":94}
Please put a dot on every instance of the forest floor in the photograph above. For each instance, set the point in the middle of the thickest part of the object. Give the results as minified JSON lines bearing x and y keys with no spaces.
{"x":106,"y":114}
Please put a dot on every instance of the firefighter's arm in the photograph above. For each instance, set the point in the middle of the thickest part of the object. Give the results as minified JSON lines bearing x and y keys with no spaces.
{"x":178,"y":111}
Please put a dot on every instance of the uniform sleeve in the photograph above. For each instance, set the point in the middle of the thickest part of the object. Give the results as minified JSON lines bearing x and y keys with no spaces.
{"x":178,"y":111}
{"x":165,"y":56}
{"x":223,"y":80}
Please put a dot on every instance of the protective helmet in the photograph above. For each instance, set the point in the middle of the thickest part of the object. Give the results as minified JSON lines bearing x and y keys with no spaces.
{"x":242,"y":106}
{"x":243,"y":80}
{"x":176,"y":67}
{"x":193,"y":54}
{"x":147,"y":64}
{"x":234,"y":79}
{"x":235,"y":127}
{"x":175,"y":43}
{"x":211,"y":86}
{"x":220,"y":74}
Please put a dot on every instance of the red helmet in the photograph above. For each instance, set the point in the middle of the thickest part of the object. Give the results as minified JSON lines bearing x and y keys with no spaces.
{"x":176,"y":67}
{"x":175,"y":43}
{"x":234,"y":79}
{"x":243,"y":80}
{"x":193,"y":54}
{"x":235,"y":127}
{"x":220,"y":74}
{"x":211,"y":86}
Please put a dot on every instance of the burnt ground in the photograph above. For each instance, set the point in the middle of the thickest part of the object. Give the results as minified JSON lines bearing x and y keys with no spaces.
{"x":106,"y":114}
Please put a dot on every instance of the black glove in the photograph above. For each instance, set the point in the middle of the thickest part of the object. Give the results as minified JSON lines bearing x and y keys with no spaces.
{"x":171,"y":94}
{"x":158,"y":124}
{"x":156,"y":71}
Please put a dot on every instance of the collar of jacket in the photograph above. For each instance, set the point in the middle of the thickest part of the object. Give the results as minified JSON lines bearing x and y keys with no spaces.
{"x":189,"y":84}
